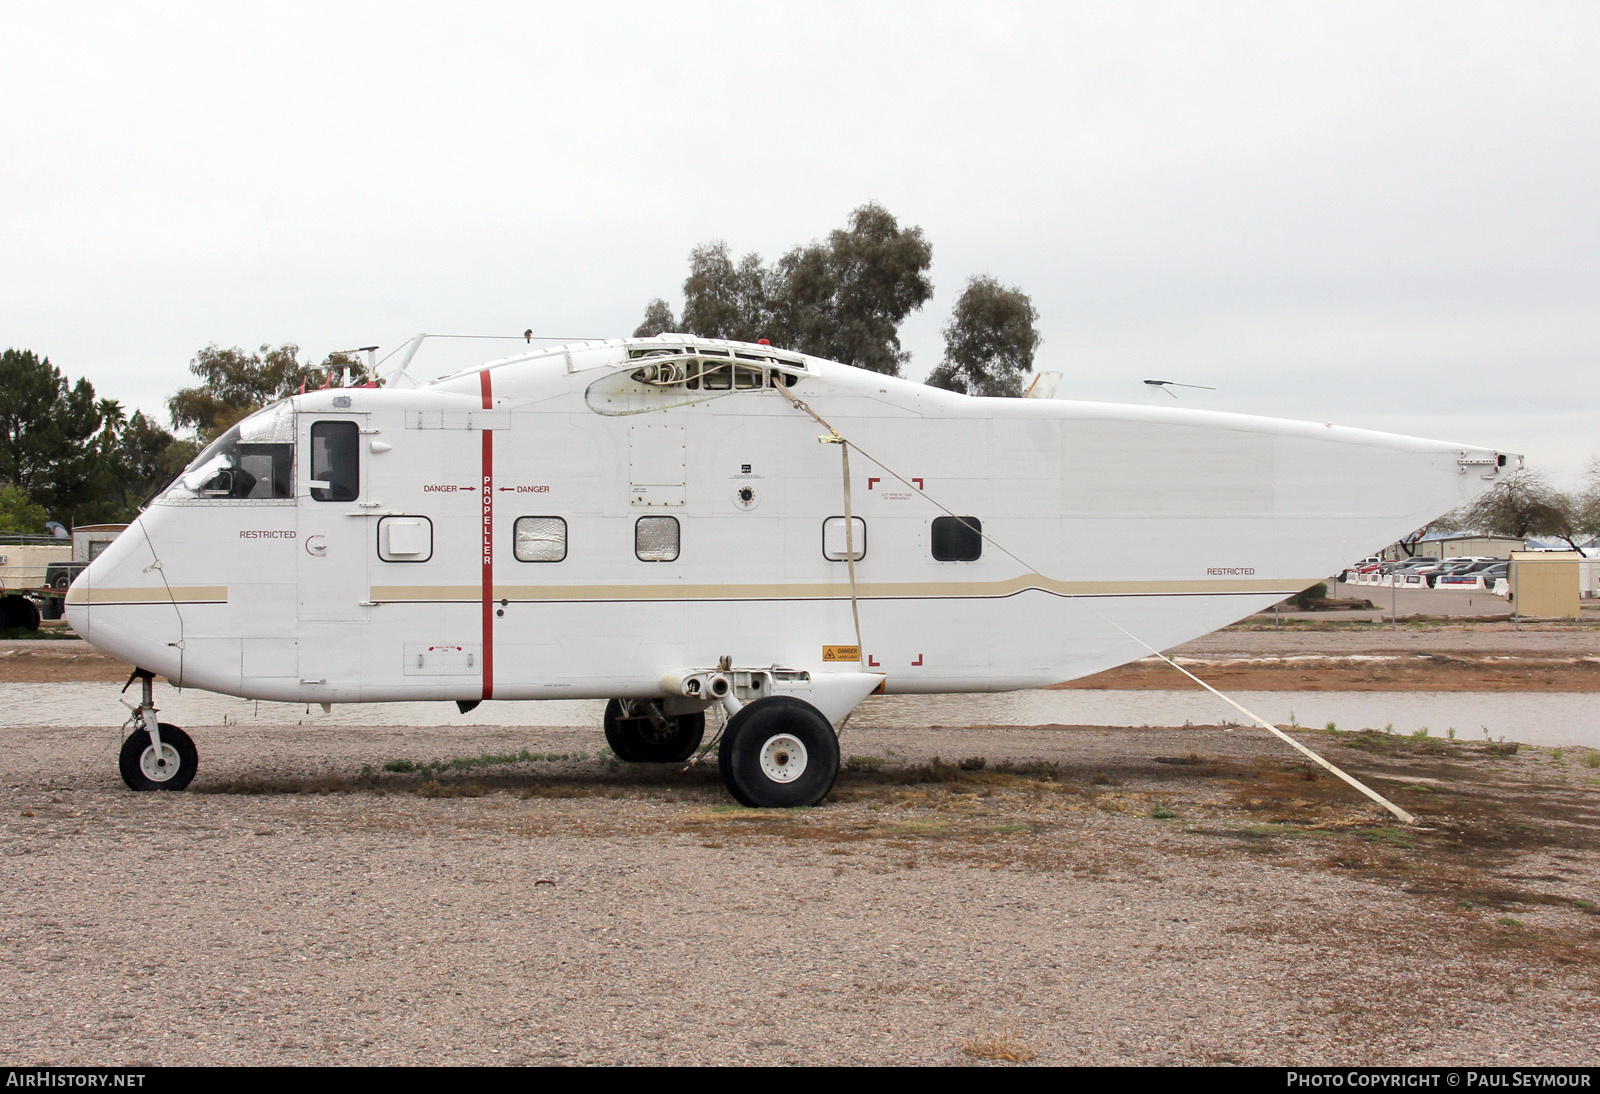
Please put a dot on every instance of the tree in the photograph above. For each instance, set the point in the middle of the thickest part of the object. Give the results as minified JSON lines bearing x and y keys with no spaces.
{"x":142,"y":458}
{"x":843,"y":298}
{"x":235,"y":384}
{"x":51,"y":433}
{"x":657,"y":320}
{"x":19,"y":513}
{"x":989,"y":342}
{"x":1586,"y":505}
{"x":1523,"y":505}
{"x":724,"y":299}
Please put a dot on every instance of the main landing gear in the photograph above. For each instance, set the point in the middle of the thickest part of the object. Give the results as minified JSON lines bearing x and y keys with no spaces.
{"x":778,"y":749}
{"x":156,"y":755}
{"x":777,"y":753}
{"x":639,"y":731}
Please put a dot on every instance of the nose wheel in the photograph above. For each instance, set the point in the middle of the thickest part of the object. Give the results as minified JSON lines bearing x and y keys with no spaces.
{"x":156,"y":755}
{"x":167,"y":766}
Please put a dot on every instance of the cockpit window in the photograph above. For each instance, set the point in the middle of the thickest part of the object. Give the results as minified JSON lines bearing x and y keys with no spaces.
{"x":252,"y":461}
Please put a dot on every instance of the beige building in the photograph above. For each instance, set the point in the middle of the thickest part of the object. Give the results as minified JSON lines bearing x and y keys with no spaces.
{"x":1473,"y":546}
{"x":1545,"y":584}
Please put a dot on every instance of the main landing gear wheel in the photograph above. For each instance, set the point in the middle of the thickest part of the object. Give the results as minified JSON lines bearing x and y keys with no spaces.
{"x":19,"y":613}
{"x":143,"y":768}
{"x":778,"y":753}
{"x":637,"y":737}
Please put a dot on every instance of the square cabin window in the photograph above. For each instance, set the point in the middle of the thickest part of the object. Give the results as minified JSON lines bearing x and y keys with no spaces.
{"x":957,"y":539}
{"x":655,"y":539}
{"x":540,"y":539}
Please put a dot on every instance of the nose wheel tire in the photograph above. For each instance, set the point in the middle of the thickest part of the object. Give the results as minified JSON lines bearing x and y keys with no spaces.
{"x":637,"y":738}
{"x":779,"y":753}
{"x":143,"y":768}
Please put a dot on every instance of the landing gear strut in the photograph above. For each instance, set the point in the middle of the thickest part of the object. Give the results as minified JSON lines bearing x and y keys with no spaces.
{"x":639,"y":731}
{"x":156,"y":755}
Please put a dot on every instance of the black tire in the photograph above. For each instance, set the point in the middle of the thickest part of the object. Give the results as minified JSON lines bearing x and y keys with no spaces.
{"x":169,"y":776}
{"x":51,"y":608}
{"x":62,"y":581}
{"x":19,"y":613}
{"x":636,"y":739}
{"x":762,"y":768}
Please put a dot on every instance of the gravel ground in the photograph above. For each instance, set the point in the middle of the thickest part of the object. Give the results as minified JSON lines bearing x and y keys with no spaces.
{"x":1083,"y":897}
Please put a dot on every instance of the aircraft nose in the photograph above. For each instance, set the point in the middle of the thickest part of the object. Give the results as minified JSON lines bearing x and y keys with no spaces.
{"x":75,"y":606}
{"x":120,"y":605}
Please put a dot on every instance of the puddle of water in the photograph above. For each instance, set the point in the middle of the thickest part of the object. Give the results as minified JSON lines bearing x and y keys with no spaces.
{"x":1536,"y":718}
{"x":1539,"y":718}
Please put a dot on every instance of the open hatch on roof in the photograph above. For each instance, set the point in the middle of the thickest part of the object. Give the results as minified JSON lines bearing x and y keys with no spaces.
{"x":666,"y":376}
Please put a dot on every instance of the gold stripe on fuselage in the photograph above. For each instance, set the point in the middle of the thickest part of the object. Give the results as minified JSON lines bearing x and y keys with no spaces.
{"x":150,"y":594}
{"x":883,"y":590}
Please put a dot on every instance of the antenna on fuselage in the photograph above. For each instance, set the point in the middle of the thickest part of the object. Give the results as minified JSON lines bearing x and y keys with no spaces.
{"x":399,"y":377}
{"x":1165,"y":385}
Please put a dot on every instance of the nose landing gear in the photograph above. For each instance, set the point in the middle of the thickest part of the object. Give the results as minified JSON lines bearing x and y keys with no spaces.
{"x":156,"y":755}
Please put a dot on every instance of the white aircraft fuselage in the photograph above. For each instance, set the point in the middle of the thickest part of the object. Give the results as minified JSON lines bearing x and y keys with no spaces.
{"x":605,"y":520}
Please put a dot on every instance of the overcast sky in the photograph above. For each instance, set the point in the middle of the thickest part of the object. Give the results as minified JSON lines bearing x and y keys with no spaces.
{"x":1382,"y":215}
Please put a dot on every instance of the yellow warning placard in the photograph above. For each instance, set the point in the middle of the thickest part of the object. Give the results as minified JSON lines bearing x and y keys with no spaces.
{"x":841,"y":653}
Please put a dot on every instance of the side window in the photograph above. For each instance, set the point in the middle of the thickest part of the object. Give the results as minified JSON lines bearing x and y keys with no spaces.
{"x":540,"y":539}
{"x":335,"y":461}
{"x":268,"y":468}
{"x":655,"y":539}
{"x":834,"y":546}
{"x":957,"y":539}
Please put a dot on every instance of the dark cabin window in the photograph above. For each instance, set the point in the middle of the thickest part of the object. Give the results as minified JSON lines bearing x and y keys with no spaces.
{"x":957,"y":539}
{"x":335,"y":460}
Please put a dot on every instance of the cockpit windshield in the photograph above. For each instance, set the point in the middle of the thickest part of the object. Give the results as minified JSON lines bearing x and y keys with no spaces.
{"x":253,"y":460}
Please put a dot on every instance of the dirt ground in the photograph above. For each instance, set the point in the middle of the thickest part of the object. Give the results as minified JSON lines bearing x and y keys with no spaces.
{"x":976,"y":895}
{"x":1051,"y":895}
{"x":1423,"y":656}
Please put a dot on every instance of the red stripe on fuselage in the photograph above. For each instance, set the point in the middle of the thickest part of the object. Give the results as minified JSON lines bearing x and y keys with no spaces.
{"x":488,"y":546}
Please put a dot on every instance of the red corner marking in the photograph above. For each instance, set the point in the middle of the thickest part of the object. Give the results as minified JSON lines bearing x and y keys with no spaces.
{"x":917,"y":662}
{"x":870,"y":482}
{"x":872,"y":662}
{"x":918,"y":482}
